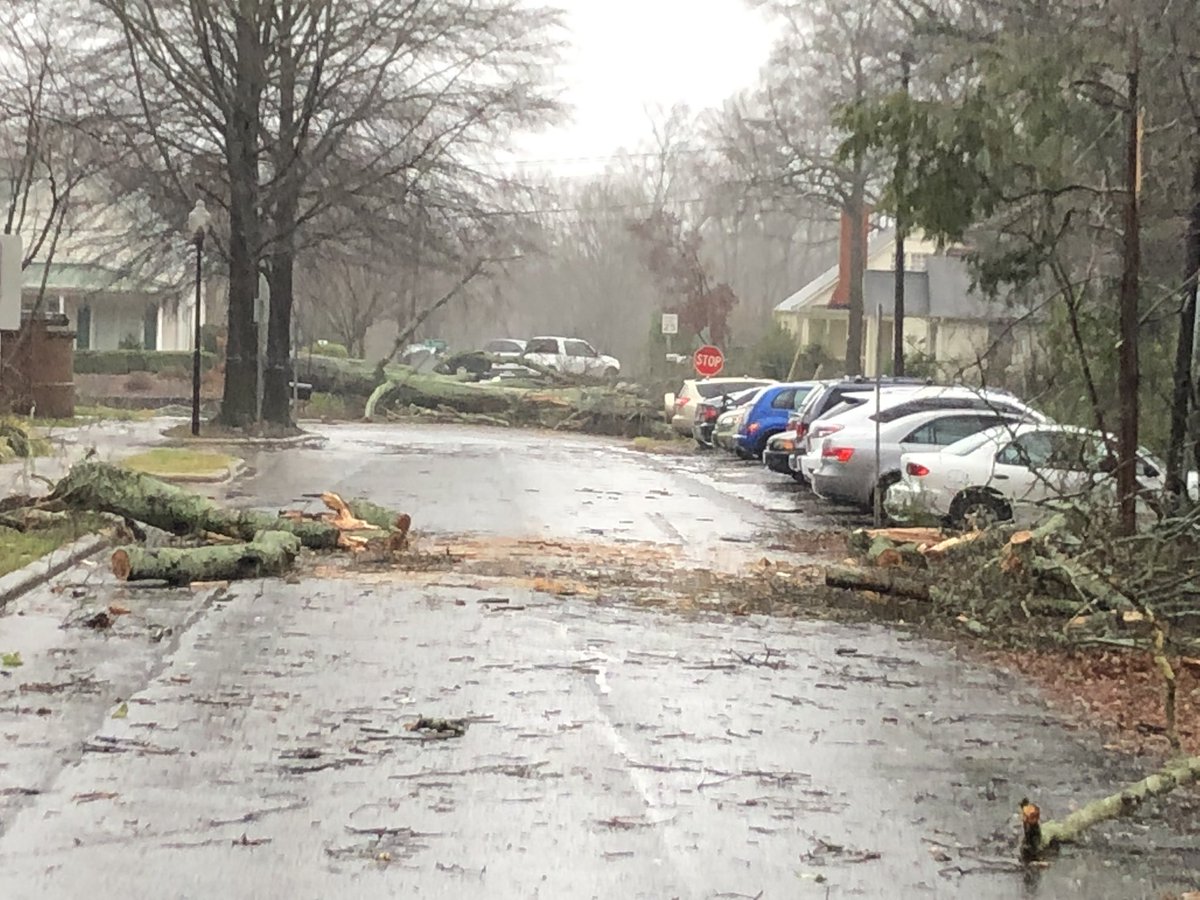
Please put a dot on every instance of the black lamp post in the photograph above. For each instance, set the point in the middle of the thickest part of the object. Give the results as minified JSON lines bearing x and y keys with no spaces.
{"x":198,"y":221}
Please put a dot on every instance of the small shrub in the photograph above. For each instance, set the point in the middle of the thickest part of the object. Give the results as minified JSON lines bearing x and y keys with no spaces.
{"x":176,"y":372}
{"x":123,"y":362}
{"x":774,"y":352}
{"x":209,"y":338}
{"x":139,"y":383}
{"x":330,"y":349}
{"x":331,"y":406}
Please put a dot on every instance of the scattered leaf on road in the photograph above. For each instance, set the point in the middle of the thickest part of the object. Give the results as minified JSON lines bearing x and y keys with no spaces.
{"x":11,"y":660}
{"x":121,"y":711}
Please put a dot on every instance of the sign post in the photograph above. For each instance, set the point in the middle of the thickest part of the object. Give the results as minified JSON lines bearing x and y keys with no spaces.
{"x":670,"y":328}
{"x":708,"y":361}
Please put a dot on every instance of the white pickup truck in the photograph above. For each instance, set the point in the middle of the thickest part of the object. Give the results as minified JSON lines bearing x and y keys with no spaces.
{"x":570,"y":356}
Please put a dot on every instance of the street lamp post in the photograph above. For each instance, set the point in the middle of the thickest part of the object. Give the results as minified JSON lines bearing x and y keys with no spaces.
{"x":198,"y":221}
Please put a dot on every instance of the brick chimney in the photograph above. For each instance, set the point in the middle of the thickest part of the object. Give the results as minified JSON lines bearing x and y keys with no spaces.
{"x":841,"y":293}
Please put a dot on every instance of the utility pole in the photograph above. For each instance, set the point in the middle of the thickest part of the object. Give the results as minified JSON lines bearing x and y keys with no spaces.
{"x":1127,"y":381}
{"x":900,"y":181}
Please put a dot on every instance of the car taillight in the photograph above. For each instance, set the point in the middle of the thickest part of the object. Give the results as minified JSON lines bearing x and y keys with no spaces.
{"x":801,"y":431}
{"x":841,"y":454}
{"x":754,"y":426}
{"x":916,"y":470}
{"x":710,"y":414}
{"x":680,"y":403}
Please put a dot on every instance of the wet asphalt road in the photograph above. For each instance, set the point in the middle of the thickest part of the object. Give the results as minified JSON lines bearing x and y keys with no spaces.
{"x":613,"y":752}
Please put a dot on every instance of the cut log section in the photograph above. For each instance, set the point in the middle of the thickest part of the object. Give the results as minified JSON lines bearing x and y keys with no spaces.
{"x":885,"y":581}
{"x":270,"y":553}
{"x":100,"y":487}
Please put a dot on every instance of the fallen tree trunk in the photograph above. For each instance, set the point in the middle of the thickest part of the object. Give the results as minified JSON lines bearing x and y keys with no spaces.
{"x":885,"y":581}
{"x":100,"y":487}
{"x":270,"y":553}
{"x":1039,"y":839}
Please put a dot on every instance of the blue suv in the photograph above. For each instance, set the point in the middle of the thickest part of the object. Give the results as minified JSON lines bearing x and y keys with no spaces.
{"x":769,"y":415}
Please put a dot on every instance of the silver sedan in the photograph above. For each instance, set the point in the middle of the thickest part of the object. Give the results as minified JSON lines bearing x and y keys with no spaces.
{"x":845,"y":470}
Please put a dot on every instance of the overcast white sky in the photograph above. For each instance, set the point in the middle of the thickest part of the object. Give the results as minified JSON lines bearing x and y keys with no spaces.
{"x":633,"y":57}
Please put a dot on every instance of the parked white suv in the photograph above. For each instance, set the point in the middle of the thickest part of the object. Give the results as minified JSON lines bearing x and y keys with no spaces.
{"x":680,"y":408}
{"x":570,"y":356}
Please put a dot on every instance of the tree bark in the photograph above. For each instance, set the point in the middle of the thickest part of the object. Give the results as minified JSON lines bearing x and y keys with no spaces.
{"x":856,"y":209}
{"x":1181,"y":400}
{"x":270,"y":553}
{"x":277,"y":405}
{"x":101,"y":487}
{"x":241,"y":153}
{"x":885,"y":581}
{"x":1128,"y":378}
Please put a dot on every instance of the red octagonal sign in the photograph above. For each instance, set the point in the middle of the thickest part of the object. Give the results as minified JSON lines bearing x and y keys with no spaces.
{"x":708,"y":361}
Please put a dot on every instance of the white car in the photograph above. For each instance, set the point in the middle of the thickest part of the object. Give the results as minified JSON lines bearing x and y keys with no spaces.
{"x":845,"y":462}
{"x":1013,"y":473}
{"x":570,"y":356}
{"x":858,"y":408}
{"x":680,"y":409}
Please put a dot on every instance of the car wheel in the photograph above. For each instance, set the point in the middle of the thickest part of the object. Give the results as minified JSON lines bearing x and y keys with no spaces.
{"x":799,"y":478}
{"x":611,"y":373}
{"x":978,"y":509}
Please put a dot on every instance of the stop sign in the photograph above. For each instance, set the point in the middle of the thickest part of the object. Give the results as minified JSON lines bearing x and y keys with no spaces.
{"x":708,"y":361}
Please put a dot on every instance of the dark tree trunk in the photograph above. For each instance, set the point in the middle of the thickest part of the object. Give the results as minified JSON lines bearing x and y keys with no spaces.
{"x":277,"y":408}
{"x":241,"y":141}
{"x":1181,"y":400}
{"x":1127,"y":437}
{"x":856,"y":209}
{"x":901,"y":179}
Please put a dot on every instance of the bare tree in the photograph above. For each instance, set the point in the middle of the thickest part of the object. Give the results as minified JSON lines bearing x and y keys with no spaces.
{"x":313,"y":122}
{"x":782,"y":137}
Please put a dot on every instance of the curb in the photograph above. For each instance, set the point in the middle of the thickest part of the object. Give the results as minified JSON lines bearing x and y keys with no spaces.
{"x":300,"y":440}
{"x":224,"y":476}
{"x":38,"y":572}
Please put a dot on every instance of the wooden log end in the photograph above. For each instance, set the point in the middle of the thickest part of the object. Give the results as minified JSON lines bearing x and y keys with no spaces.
{"x":891,"y":558}
{"x":121,"y":566}
{"x":1021,"y":537}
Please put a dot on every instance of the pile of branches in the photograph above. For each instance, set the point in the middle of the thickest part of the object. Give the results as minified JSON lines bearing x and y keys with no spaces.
{"x":211,"y":542}
{"x":1079,"y":581}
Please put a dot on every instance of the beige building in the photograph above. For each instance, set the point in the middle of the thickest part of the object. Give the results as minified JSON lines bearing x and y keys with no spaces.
{"x":945,"y":318}
{"x":115,"y":283}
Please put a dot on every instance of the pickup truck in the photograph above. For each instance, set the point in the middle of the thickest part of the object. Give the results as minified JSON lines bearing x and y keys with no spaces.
{"x":570,"y":356}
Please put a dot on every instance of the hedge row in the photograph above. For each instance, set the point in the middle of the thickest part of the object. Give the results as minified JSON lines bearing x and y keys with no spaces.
{"x":122,"y":362}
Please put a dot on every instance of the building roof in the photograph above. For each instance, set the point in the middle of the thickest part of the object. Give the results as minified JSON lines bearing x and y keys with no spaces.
{"x":88,"y":278}
{"x":942,"y":291}
{"x":813,"y":291}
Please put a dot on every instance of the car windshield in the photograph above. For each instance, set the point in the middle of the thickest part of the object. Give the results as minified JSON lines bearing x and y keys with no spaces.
{"x":710,"y":389}
{"x":502,"y":347}
{"x":969,"y":445}
{"x":802,"y":395}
